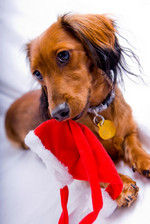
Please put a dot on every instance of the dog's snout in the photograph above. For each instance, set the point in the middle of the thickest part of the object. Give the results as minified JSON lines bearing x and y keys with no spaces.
{"x":61,"y":112}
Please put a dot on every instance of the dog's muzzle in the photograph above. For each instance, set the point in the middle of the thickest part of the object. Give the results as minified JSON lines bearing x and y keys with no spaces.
{"x":61,"y":112}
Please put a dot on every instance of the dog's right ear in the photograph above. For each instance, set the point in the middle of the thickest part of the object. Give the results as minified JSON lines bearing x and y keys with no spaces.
{"x":97,"y":35}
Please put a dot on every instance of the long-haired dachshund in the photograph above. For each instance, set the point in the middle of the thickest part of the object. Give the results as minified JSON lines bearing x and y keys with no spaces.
{"x":78,"y":62}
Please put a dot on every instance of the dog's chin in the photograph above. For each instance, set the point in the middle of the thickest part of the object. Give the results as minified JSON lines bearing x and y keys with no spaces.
{"x":82,"y":112}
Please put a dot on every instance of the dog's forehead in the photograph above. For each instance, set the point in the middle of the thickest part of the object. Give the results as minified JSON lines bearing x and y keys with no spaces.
{"x":43,"y":49}
{"x":55,"y":38}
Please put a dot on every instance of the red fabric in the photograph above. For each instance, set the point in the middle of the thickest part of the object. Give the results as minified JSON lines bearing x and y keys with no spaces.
{"x":77,"y":148}
{"x":64,"y":219}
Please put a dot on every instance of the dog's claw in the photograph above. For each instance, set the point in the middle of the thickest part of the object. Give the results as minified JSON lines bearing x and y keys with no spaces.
{"x":135,"y":186}
{"x":141,"y":164}
{"x":130,"y":198}
{"x":146,"y":173}
{"x":125,"y":205}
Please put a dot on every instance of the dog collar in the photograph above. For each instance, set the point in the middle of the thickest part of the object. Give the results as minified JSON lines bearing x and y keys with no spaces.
{"x":104,"y":105}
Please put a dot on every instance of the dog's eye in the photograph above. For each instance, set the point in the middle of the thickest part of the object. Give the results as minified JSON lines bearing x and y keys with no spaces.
{"x":63,"y":57}
{"x":38,"y":75}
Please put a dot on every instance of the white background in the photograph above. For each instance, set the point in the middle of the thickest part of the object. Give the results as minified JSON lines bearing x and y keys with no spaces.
{"x":27,"y":192}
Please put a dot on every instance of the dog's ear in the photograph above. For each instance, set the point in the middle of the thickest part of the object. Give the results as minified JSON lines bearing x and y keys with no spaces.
{"x":27,"y":48}
{"x":97,"y":34}
{"x":44,"y":112}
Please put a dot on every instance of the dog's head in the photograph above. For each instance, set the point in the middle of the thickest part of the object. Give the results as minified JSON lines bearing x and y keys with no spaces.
{"x":76,"y":61}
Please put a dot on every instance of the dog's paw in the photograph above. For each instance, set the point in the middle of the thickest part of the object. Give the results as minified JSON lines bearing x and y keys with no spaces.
{"x":141,"y":164}
{"x":129,"y":192}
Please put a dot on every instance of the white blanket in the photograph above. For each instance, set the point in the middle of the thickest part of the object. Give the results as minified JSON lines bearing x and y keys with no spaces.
{"x":28,"y":194}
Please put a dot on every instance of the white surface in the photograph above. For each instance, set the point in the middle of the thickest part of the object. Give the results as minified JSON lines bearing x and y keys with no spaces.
{"x":27,"y":192}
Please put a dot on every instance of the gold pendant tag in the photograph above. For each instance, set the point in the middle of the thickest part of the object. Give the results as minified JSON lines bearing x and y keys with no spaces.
{"x":107,"y":129}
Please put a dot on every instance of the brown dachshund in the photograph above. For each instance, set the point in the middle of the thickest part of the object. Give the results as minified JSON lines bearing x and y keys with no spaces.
{"x":78,"y":62}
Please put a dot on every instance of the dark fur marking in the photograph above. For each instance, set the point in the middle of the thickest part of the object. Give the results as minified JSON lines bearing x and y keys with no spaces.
{"x":44,"y":105}
{"x":111,"y":61}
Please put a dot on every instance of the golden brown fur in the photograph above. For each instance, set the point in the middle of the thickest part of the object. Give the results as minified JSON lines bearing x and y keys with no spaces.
{"x":84,"y":81}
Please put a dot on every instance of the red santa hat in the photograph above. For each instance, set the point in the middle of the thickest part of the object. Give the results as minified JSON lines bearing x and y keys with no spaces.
{"x":72,"y":151}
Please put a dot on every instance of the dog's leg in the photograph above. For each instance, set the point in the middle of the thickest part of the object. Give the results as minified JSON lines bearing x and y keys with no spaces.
{"x":23,"y":116}
{"x":136,"y":156}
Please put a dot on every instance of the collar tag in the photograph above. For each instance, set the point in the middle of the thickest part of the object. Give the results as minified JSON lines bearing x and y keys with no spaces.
{"x":106,"y":130}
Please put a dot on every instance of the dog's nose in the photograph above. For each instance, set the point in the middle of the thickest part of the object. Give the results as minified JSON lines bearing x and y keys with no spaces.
{"x":61,"y":112}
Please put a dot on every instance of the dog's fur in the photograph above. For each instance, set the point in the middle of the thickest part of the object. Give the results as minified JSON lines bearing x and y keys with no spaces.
{"x":92,"y":71}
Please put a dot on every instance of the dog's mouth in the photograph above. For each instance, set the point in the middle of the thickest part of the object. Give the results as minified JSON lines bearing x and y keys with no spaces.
{"x":46,"y":114}
{"x":83,"y":111}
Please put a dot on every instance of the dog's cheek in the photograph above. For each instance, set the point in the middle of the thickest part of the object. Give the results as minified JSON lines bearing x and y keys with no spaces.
{"x":76,"y":107}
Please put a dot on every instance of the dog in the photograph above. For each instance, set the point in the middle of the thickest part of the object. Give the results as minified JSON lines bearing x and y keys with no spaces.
{"x":78,"y":62}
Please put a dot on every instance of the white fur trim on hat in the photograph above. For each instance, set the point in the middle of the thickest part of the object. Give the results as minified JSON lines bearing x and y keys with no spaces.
{"x":52,"y":163}
{"x":109,"y":205}
{"x":81,"y":204}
